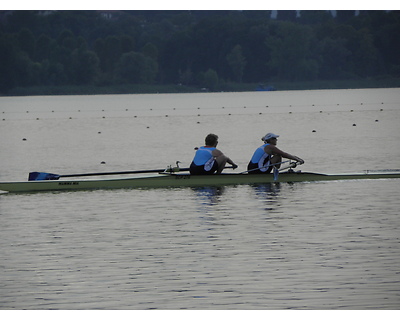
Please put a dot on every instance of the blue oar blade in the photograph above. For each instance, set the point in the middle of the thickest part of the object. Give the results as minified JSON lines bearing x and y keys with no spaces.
{"x":35,"y":176}
{"x":276,"y":174}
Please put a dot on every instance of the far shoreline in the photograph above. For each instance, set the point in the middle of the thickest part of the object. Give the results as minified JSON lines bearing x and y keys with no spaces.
{"x":223,"y":87}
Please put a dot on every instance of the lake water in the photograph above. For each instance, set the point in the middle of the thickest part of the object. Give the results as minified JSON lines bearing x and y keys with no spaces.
{"x":319,"y":245}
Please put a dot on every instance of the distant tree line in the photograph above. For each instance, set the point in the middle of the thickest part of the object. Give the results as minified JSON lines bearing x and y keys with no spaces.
{"x":196,"y":48}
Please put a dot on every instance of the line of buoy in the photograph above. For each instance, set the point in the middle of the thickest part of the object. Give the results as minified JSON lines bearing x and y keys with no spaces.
{"x":174,"y":108}
{"x":166,"y":115}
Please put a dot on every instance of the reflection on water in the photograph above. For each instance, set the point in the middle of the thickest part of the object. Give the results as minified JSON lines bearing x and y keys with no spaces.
{"x":209,"y":196}
{"x":268,"y":193}
{"x":207,"y":200}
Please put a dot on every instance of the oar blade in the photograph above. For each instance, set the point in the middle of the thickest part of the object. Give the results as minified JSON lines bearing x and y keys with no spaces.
{"x":276,"y":174}
{"x":36,"y":176}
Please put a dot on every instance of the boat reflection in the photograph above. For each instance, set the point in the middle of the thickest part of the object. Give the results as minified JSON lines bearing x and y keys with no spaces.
{"x":208,"y":200}
{"x":209,"y":196}
{"x":270,"y":189}
{"x":268,"y":193}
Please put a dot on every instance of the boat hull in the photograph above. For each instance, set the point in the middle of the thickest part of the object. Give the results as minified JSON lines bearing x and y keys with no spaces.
{"x":183,"y":180}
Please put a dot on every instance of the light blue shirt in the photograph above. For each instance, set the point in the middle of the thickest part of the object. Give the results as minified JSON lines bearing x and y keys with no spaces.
{"x":203,"y":155}
{"x":260,"y":154}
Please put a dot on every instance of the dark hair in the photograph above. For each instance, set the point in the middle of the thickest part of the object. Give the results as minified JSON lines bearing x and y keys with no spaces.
{"x":211,"y":139}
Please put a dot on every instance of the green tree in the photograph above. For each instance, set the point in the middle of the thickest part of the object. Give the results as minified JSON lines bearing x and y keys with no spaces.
{"x":238,"y":45}
{"x":111,"y":52}
{"x":150,"y":50}
{"x":26,"y":41}
{"x":84,"y":66}
{"x":8,"y":52}
{"x":67,"y":40}
{"x":44,"y":46}
{"x":386,"y":30}
{"x":127,"y":43}
{"x":24,"y":70}
{"x":364,"y":53}
{"x":334,"y":58}
{"x":135,"y":67}
{"x":237,"y":62}
{"x":211,"y":79}
{"x":53,"y":73}
{"x":291,"y":53}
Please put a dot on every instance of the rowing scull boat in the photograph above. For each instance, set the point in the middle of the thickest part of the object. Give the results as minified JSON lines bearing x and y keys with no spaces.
{"x":164,"y":180}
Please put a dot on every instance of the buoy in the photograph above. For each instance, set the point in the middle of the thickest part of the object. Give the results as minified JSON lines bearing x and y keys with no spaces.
{"x":354,"y":124}
{"x":103,"y":162}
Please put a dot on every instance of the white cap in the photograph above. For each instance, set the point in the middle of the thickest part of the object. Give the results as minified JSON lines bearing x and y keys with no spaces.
{"x":269,"y":136}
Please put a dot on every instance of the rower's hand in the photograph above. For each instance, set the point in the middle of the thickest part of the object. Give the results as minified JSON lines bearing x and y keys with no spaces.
{"x":300,"y":161}
{"x":234,"y":166}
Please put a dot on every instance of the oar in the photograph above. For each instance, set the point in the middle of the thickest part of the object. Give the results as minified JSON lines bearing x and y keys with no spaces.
{"x":290,"y":166}
{"x":52,"y":176}
{"x":265,"y":166}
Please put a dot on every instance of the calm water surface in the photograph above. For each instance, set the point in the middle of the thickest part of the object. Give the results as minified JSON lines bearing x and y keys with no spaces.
{"x":320,"y":245}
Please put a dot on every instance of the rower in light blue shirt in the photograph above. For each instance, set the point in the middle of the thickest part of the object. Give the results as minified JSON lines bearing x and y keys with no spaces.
{"x":208,"y":159}
{"x":268,"y":155}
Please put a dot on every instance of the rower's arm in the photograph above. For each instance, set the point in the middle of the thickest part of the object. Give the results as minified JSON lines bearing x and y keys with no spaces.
{"x":234,"y":165}
{"x":272,"y":150}
{"x":218,"y":153}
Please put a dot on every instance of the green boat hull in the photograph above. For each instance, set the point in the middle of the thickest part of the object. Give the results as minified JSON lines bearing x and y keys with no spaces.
{"x":183,"y":180}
